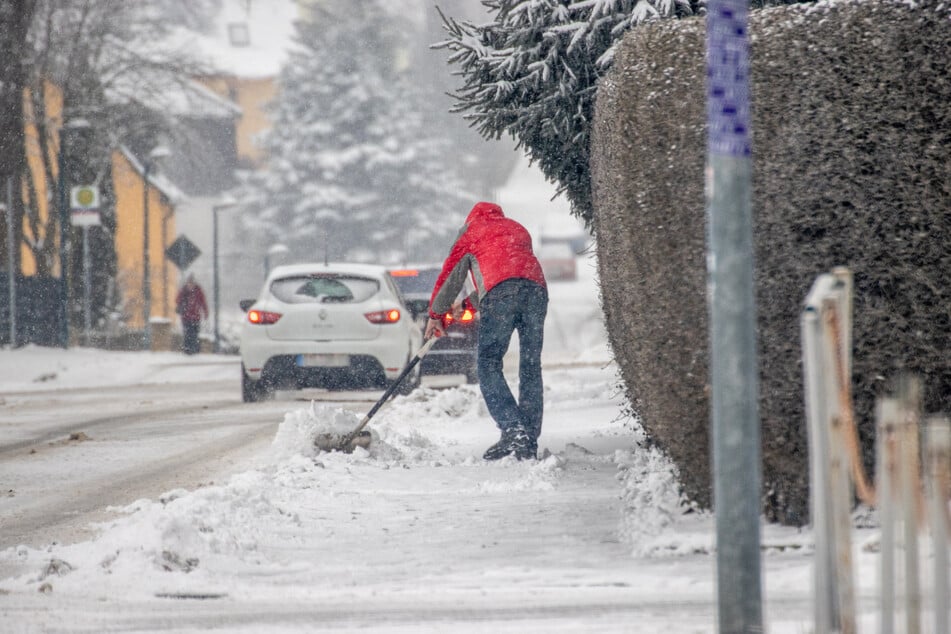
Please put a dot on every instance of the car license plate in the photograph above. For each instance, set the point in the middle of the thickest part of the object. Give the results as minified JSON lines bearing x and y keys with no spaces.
{"x":323,"y":360}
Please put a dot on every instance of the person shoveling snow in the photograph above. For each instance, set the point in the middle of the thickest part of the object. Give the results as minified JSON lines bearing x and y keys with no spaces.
{"x":511,"y":295}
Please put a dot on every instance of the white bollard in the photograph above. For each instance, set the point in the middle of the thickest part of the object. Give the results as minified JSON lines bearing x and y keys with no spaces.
{"x":938,"y":457}
{"x":825,"y":616}
{"x":886,"y":465}
{"x":910,"y":469}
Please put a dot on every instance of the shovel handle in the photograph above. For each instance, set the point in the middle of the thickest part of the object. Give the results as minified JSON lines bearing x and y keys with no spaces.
{"x":394,"y":385}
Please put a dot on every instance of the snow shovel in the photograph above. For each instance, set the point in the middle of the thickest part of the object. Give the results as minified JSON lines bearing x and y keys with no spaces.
{"x":359,"y":438}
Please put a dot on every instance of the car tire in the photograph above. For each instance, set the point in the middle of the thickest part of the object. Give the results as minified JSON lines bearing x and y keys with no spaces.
{"x":250,"y":392}
{"x":255,"y":391}
{"x":472,"y":375}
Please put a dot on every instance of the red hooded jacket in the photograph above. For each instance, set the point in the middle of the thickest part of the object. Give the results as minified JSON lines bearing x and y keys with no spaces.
{"x":491,"y":249}
{"x":190,"y":303}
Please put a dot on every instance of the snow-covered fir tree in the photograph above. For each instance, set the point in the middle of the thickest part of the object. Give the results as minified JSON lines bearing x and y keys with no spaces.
{"x":532,"y":73}
{"x":352,"y":171}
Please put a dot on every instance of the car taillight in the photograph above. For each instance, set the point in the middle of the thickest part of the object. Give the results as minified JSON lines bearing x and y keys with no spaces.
{"x":263,"y":317}
{"x":467,"y":316}
{"x":390,"y":316}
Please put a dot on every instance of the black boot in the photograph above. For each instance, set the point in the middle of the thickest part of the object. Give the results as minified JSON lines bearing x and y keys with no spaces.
{"x":532,"y":448}
{"x":514,"y":441}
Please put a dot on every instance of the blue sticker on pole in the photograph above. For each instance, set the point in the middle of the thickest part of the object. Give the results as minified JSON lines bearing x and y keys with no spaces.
{"x":728,"y":72}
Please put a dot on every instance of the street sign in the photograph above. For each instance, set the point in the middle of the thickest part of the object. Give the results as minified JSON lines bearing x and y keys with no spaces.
{"x":182,"y":252}
{"x":84,"y":206}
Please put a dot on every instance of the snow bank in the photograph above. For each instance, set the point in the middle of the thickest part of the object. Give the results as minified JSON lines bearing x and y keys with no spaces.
{"x":33,"y":368}
{"x":653,"y":504}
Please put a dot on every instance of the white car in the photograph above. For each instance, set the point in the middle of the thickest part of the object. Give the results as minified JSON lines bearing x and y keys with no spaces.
{"x":326,"y":325}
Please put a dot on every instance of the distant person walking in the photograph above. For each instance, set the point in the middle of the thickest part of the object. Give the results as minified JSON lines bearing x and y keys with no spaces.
{"x":191,"y":308}
{"x":511,"y":295}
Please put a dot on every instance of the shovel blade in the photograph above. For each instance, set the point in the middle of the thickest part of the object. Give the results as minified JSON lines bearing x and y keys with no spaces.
{"x":342,"y":442}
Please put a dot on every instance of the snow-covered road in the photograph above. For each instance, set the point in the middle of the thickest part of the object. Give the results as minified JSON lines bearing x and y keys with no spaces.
{"x":67,"y":455}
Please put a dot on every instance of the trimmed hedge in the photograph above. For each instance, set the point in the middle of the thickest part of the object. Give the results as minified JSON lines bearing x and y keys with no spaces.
{"x":851,"y":106}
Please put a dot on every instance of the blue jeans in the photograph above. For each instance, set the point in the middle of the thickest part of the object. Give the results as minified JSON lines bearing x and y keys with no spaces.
{"x":514,"y":305}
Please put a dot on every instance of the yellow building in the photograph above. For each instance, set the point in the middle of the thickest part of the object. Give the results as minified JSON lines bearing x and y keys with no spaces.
{"x":252,"y":95}
{"x":42,"y":230}
{"x":128,"y":179}
{"x":247,"y":53}
{"x":248,"y":50}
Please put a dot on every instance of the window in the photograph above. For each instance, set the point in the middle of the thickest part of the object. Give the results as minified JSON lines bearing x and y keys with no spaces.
{"x":238,"y":34}
{"x":324,"y":289}
{"x":413,"y":281}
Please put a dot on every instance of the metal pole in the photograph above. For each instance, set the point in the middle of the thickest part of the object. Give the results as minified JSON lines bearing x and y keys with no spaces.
{"x":733,"y":366}
{"x":273,"y":250}
{"x":214,"y":257}
{"x":87,"y":284}
{"x":165,"y":218}
{"x":146,"y":276}
{"x":63,"y":245}
{"x":11,"y":264}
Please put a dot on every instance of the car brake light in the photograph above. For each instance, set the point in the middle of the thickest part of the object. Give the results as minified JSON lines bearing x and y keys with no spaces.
{"x":405,"y":273}
{"x":390,"y":316}
{"x":467,"y":316}
{"x":263,"y":317}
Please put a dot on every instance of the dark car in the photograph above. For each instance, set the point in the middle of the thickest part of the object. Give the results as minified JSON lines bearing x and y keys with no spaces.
{"x":454,"y":353}
{"x":558,"y":262}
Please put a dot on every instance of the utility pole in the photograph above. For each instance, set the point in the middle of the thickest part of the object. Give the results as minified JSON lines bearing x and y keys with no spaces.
{"x":226,"y":203}
{"x":146,"y":268}
{"x":11,"y":264}
{"x":733,"y":364}
{"x":63,"y":244}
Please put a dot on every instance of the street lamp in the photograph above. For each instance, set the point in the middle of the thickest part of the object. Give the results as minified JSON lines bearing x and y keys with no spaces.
{"x":11,"y":263}
{"x":158,"y":152}
{"x":168,"y":215}
{"x":226,"y":203}
{"x":70,"y":126}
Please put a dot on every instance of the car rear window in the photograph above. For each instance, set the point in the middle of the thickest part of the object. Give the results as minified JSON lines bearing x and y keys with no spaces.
{"x":555,"y":251}
{"x":415,"y":281}
{"x":326,"y":289}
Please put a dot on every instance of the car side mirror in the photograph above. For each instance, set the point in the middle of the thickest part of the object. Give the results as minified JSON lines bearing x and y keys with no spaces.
{"x":245,"y":304}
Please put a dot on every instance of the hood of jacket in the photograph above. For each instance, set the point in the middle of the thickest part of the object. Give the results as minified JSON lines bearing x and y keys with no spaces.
{"x":484,"y":211}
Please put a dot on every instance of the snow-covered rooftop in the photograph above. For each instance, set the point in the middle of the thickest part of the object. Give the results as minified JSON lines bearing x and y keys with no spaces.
{"x":250,"y":38}
{"x":156,"y":178}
